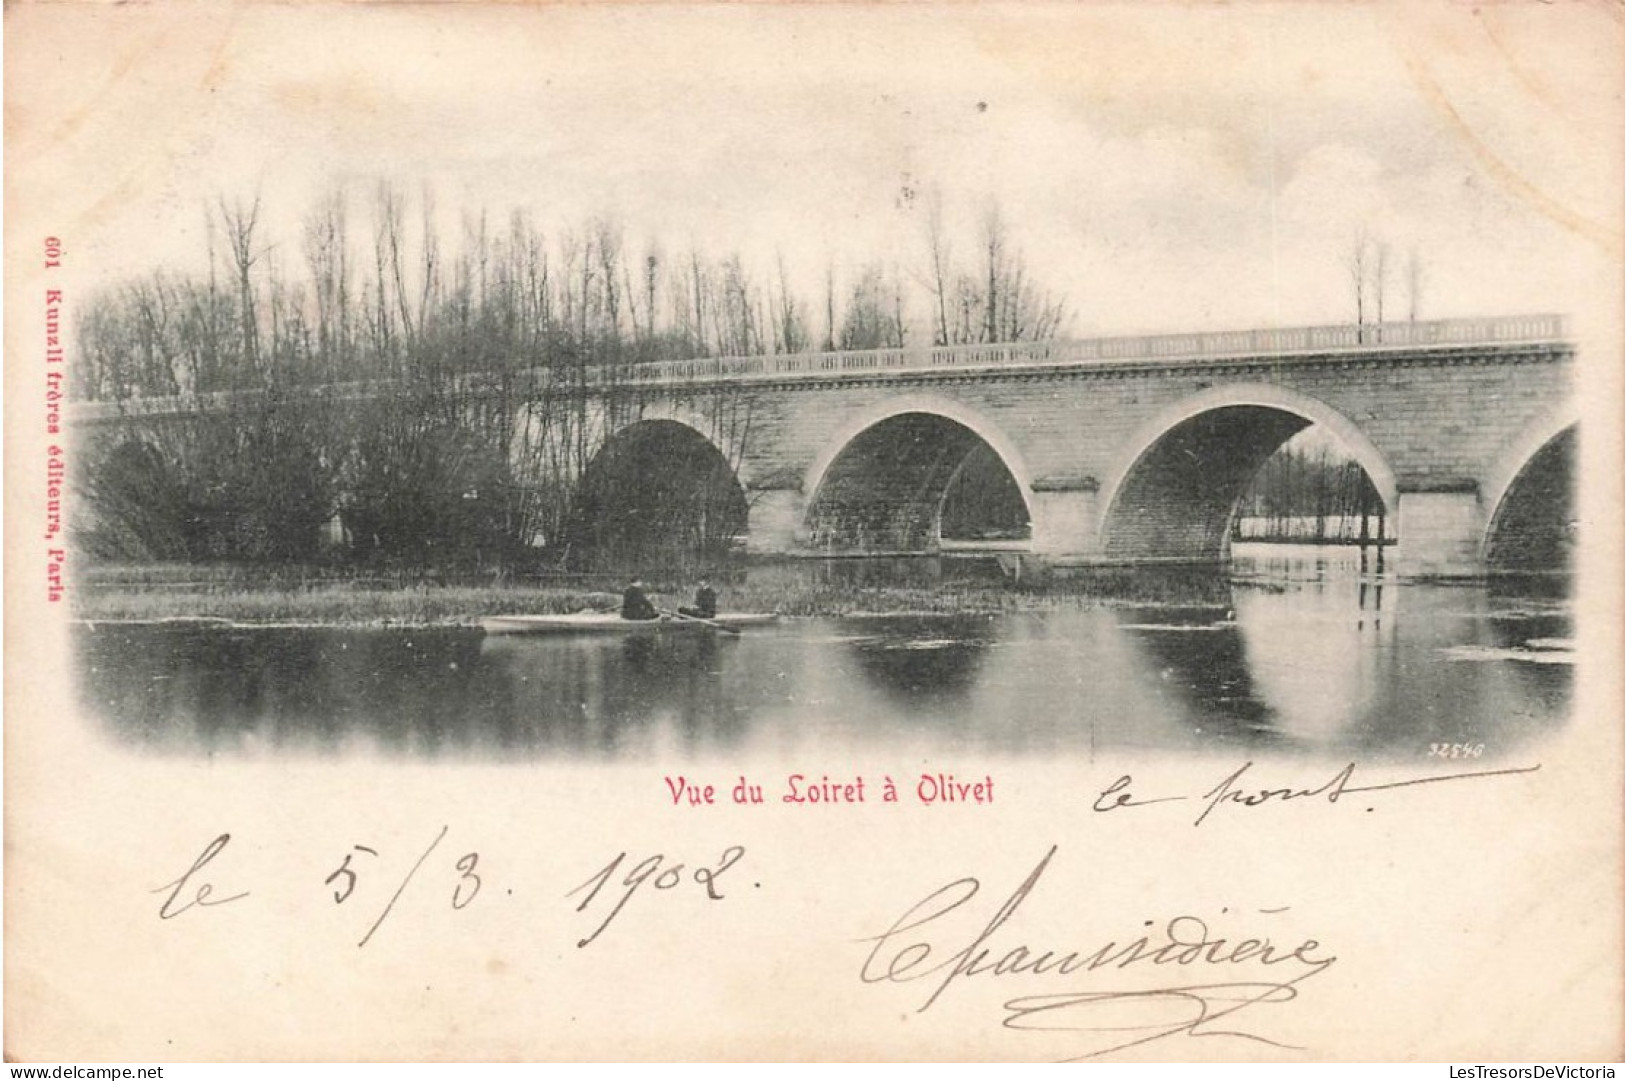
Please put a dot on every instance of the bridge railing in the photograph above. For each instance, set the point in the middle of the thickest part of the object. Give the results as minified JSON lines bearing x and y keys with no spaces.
{"x":1159,"y":348}
{"x":1281,"y":341}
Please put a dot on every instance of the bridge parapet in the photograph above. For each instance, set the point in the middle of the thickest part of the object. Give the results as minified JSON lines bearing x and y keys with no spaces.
{"x":1281,"y":343}
{"x":1159,"y":348}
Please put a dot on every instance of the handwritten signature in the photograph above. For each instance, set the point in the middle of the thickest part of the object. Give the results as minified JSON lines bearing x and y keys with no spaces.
{"x":918,"y":948}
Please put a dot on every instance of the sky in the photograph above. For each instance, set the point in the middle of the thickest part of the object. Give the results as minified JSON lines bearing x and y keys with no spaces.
{"x":1162,"y":168}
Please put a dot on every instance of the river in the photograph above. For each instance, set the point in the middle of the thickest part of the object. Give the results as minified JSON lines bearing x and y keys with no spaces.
{"x":1295,"y":653}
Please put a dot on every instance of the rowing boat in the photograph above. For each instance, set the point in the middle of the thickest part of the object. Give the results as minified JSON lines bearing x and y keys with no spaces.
{"x":611,"y":623}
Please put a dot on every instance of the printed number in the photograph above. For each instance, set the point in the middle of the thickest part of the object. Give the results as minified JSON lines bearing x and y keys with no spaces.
{"x":53,"y":252}
{"x":1455,"y":750}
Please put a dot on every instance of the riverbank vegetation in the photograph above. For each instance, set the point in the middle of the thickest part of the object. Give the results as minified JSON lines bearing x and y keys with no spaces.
{"x":317,"y":595}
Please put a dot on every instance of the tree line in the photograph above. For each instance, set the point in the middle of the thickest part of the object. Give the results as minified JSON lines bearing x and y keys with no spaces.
{"x":1310,"y":493}
{"x":369,"y":392}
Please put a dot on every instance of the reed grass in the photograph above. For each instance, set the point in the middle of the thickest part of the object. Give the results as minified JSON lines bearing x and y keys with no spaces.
{"x":157,"y":593}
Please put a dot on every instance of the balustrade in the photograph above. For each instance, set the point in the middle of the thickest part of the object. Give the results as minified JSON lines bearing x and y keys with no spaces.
{"x":1275,"y":342}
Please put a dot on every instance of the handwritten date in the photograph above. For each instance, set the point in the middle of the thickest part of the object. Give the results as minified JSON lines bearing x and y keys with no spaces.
{"x":664,"y":879}
{"x":462,"y":879}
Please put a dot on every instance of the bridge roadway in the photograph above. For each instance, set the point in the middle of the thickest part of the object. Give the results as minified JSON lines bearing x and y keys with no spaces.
{"x":1109,"y":450}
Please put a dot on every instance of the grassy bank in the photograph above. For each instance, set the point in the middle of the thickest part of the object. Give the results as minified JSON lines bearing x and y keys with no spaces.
{"x":189,"y":592}
{"x":442,"y":605}
{"x":324,"y":604}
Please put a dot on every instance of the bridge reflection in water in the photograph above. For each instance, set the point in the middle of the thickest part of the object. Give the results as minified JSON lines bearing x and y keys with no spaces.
{"x":1300,"y":656}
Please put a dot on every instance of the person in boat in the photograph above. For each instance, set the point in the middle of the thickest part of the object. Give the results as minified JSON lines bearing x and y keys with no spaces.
{"x":705,"y":602}
{"x":635,"y":603}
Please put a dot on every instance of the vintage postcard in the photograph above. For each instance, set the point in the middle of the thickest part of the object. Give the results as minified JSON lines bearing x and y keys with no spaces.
{"x":890,"y":532}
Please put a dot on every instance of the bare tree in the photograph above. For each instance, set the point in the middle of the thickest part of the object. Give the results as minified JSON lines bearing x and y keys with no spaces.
{"x":829,"y":306}
{"x":941,"y":258}
{"x":1379,"y":279}
{"x":873,"y":316}
{"x":789,"y":329}
{"x":993,"y":247}
{"x":239,"y":223}
{"x":997,"y":301}
{"x":1413,"y":277}
{"x":1358,"y":266}
{"x":327,"y":254}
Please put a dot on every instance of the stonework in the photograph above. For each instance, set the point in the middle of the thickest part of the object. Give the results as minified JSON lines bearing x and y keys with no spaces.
{"x":1121,"y":461}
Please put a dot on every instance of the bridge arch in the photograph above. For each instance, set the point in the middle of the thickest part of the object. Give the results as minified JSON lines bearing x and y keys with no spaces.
{"x":1528,"y":496}
{"x":658,"y":490}
{"x":884,"y":479}
{"x":1171,"y":494}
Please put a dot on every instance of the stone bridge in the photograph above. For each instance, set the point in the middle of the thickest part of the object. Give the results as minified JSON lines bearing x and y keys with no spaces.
{"x":1128,"y":450}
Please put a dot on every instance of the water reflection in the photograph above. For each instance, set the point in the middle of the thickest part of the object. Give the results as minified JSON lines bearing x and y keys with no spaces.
{"x":922,"y":664}
{"x":1292,"y":655}
{"x":1199,"y":655}
{"x":1319,"y":650}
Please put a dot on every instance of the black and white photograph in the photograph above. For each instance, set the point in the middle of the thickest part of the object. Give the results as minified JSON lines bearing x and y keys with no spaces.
{"x":788,"y":532}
